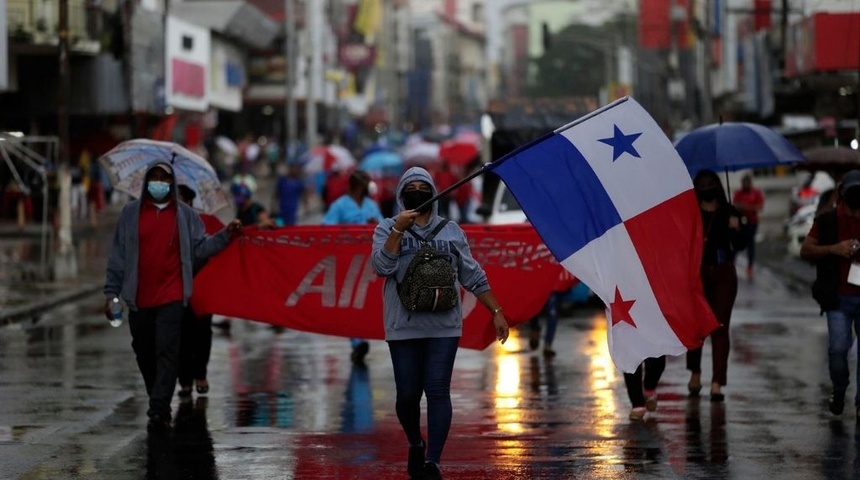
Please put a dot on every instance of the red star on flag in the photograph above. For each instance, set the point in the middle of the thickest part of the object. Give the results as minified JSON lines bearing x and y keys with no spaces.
{"x":620,"y":309}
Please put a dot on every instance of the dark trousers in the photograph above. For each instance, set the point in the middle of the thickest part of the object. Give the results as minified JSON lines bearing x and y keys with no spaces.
{"x":195,"y":347}
{"x":550,"y":309}
{"x":721,"y":287}
{"x":635,"y":385}
{"x":424,"y":365}
{"x":155,"y":334}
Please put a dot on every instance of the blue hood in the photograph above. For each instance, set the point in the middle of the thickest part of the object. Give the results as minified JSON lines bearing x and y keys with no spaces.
{"x":411,"y":175}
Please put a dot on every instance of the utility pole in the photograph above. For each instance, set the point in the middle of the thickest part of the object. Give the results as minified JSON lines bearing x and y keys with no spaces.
{"x":315,"y":27}
{"x":290,"y":114}
{"x":707,"y":107}
{"x":66,"y":263}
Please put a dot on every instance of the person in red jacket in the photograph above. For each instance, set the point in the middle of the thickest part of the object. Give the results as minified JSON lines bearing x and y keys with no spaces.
{"x":157,"y":242}
{"x":195,"y":344}
{"x":750,"y":201}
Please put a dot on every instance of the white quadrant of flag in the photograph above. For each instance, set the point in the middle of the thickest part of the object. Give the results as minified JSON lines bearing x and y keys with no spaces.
{"x":609,"y":263}
{"x":656,"y":175}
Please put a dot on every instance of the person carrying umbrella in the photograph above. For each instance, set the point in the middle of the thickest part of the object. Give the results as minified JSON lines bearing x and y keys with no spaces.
{"x":150,"y":266}
{"x":723,"y":238}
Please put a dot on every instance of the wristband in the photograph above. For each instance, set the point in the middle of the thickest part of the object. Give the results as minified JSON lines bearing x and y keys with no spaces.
{"x":396,"y":230}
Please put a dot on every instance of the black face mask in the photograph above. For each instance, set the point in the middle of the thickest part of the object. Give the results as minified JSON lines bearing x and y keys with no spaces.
{"x":415,"y":198}
{"x":708,"y":194}
{"x":852,"y":198}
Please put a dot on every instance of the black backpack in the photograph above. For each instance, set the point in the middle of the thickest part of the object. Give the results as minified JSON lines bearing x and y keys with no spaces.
{"x":428,"y":285}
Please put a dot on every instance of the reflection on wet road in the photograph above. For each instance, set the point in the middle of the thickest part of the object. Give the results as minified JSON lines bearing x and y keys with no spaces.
{"x":285,"y":404}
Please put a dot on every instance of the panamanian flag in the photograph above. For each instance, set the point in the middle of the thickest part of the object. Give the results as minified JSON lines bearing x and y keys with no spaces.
{"x":614,"y":202}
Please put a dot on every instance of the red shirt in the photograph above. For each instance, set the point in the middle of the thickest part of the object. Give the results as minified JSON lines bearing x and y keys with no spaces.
{"x":336,"y":186}
{"x":159,"y":265}
{"x":211,"y":223}
{"x":444,"y":179}
{"x":847,"y":227}
{"x":748,"y":203}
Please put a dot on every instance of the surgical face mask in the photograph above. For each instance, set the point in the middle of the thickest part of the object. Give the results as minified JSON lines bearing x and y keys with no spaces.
{"x":415,"y":198}
{"x":372,"y":189}
{"x":158,"y":190}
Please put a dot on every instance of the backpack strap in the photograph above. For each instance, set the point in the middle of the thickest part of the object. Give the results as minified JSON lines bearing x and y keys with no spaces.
{"x":436,"y":230}
{"x":431,"y":235}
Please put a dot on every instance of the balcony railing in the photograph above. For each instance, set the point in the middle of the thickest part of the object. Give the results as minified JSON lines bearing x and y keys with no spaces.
{"x":36,"y":22}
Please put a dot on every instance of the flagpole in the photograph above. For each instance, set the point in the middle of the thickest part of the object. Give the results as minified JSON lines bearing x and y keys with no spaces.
{"x":457,"y":185}
{"x":487,"y":166}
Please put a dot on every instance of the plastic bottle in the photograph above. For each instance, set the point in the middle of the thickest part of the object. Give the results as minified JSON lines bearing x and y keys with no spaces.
{"x":116,"y":311}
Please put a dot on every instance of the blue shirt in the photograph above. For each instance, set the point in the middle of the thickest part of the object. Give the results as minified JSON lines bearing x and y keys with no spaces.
{"x":290,"y":191}
{"x":345,"y":211}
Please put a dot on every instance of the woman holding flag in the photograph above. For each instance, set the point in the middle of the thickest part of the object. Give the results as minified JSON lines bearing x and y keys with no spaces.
{"x":723,"y":238}
{"x":423,"y":343}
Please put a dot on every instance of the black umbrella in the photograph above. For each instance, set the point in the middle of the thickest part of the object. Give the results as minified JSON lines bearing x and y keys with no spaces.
{"x":830,"y":159}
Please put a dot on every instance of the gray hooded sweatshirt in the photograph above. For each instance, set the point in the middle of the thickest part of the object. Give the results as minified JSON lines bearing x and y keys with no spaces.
{"x":124,"y":263}
{"x":401,"y":324}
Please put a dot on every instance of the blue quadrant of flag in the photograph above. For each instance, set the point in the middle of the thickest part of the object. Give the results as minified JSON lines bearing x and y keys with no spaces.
{"x":560,"y":193}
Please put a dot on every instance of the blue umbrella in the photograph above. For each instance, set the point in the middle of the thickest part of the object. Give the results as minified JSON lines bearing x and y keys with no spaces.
{"x":127,"y":163}
{"x":383,"y":161}
{"x":735,"y":146}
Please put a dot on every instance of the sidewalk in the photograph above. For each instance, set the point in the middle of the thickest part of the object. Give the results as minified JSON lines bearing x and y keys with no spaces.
{"x":25,"y":292}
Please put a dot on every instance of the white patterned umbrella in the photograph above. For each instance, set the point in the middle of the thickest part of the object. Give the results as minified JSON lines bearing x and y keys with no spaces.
{"x":325,"y":158}
{"x":127,"y":163}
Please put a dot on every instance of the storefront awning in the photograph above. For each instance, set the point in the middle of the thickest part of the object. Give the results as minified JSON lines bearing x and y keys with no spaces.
{"x":238,"y":20}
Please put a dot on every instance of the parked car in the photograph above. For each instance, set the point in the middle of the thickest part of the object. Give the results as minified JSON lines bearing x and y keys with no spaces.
{"x":504,"y":209}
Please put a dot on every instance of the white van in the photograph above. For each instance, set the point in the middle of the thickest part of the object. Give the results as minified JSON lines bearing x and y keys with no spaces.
{"x":504,"y":210}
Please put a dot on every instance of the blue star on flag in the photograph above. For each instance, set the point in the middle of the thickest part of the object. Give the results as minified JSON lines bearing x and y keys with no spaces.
{"x":621,"y":143}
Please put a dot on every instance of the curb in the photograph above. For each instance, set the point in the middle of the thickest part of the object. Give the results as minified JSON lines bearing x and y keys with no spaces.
{"x":29,"y":310}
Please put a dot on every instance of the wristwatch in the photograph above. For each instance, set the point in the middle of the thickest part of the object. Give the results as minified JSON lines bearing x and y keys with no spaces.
{"x":497,"y":310}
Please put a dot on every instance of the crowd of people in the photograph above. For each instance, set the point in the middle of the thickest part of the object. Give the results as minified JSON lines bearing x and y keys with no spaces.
{"x":172,"y":344}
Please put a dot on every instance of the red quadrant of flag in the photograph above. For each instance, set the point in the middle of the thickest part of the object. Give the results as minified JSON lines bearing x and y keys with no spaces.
{"x":668,"y":267}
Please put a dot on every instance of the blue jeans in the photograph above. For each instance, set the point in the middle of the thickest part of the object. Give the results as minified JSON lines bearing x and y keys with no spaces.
{"x":424,"y":365}
{"x":840,"y":337}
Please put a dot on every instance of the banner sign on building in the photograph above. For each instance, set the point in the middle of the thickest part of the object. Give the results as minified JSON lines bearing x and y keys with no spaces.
{"x":188,"y":56}
{"x":356,"y":55}
{"x":824,"y":42}
{"x":227,"y":77}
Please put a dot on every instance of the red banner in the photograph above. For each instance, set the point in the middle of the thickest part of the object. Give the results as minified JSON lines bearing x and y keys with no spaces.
{"x":319,"y":279}
{"x":188,"y":78}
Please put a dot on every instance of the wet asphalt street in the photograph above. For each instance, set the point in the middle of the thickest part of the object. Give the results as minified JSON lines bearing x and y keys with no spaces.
{"x":291,"y":405}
